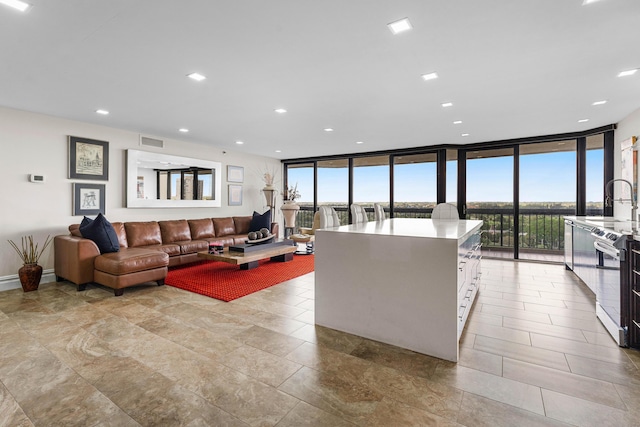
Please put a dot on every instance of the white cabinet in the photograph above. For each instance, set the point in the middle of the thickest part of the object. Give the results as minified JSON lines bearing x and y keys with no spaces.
{"x":469,"y":256}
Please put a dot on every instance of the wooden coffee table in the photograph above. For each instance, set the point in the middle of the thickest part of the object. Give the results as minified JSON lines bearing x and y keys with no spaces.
{"x":249,"y":260}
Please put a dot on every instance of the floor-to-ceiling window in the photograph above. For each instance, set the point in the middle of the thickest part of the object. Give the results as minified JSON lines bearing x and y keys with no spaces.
{"x":520,"y":188}
{"x":333,"y":186}
{"x":490,"y":198}
{"x":594,"y":172}
{"x":371,"y":182}
{"x":415,"y":178}
{"x":547,"y":193}
{"x":452,"y":177}
{"x":301,"y":176}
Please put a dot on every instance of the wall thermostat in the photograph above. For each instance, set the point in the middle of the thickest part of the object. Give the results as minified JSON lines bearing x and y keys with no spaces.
{"x":36,"y":178}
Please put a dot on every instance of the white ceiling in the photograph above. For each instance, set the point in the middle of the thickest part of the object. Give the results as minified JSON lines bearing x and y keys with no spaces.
{"x":512,"y":69}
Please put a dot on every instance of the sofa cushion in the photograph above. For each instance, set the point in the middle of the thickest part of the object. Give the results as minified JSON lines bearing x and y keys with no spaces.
{"x":223,"y":241}
{"x":130,"y":260}
{"x":193,"y":246}
{"x":143,"y":233}
{"x":174,"y":231}
{"x":101,"y":232}
{"x":121,"y":233}
{"x":242,"y":224}
{"x":260,"y":221}
{"x":224,"y":226}
{"x":201,"y":228}
{"x":170,"y":249}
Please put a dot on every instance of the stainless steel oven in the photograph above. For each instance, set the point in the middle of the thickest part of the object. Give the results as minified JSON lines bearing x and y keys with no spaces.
{"x":611,"y":281}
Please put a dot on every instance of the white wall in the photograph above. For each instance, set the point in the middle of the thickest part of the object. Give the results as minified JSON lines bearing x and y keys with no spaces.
{"x":37,"y":144}
{"x":628,"y":127}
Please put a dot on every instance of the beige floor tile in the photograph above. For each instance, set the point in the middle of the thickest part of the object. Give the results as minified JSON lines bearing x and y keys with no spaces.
{"x":499,"y":332}
{"x":537,"y":356}
{"x":407,"y":361}
{"x":393,"y":413}
{"x":606,"y":354}
{"x":481,"y":361}
{"x":329,"y":338}
{"x":618,"y":373}
{"x":582,"y":413}
{"x":306,"y":415}
{"x":545,"y":329}
{"x":341,"y":396}
{"x":11,"y":414}
{"x":499,"y":302}
{"x":258,"y":364}
{"x":478,"y":411}
{"x":514,"y":393}
{"x":563,"y":382}
{"x":516,"y":314}
{"x":268,"y":340}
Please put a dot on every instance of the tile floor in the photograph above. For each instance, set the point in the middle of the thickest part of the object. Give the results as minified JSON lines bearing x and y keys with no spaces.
{"x":533,"y":353}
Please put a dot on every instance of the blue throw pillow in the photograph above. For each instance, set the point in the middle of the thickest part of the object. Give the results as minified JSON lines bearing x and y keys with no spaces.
{"x":101,"y":232}
{"x":260,"y":221}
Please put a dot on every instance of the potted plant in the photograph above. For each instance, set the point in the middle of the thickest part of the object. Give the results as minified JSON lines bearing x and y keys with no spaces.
{"x":290,"y":194}
{"x":30,"y":273}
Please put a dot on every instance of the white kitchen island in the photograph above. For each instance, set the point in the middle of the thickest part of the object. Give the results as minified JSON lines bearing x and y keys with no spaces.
{"x":408,"y":282}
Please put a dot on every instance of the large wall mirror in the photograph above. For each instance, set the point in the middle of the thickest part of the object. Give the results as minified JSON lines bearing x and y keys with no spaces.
{"x":157,"y":180}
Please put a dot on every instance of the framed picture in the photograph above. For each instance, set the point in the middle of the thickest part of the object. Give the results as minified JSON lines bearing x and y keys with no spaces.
{"x":235,"y":195}
{"x":88,"y":199}
{"x":88,"y":159}
{"x":235,"y":173}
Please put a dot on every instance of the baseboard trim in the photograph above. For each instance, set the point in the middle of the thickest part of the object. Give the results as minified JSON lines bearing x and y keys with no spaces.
{"x":13,"y":282}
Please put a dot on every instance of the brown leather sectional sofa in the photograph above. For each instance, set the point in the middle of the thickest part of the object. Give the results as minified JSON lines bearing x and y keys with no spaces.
{"x":147,"y":249}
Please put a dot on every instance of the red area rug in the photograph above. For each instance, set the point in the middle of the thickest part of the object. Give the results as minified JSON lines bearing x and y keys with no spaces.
{"x":227,"y":282}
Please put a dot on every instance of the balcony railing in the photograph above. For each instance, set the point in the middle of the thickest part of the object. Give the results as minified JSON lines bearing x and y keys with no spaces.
{"x":540,"y":230}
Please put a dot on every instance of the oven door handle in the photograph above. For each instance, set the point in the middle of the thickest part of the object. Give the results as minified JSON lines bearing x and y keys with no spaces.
{"x":612,"y":252}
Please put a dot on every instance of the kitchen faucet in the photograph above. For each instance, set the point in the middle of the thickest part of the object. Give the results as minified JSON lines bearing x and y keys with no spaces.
{"x":634,"y":205}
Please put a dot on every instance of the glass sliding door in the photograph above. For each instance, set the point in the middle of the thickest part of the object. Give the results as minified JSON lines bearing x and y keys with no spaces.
{"x":301,"y":177}
{"x":547,"y":193}
{"x":371,"y":182}
{"x":415,"y":179}
{"x":333,"y":186}
{"x":489,"y":188}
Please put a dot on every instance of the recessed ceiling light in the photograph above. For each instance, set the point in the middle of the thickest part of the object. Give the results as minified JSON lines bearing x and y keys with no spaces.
{"x":183,"y":130}
{"x":400,"y":26}
{"x":586,"y":2}
{"x":196,"y":76}
{"x":16,"y":4}
{"x":359,"y":142}
{"x":465,"y":134}
{"x":328,"y":129}
{"x":280,"y":110}
{"x":429,"y":76}
{"x":447,"y":104}
{"x":239,"y":142}
{"x":457,"y":122}
{"x":583,"y":120}
{"x":103,"y":112}
{"x":627,"y":73}
{"x":599,"y":103}
{"x":278,"y":151}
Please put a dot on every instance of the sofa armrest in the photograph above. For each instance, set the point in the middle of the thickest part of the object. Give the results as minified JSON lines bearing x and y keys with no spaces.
{"x":74,"y":258}
{"x":275,"y":228}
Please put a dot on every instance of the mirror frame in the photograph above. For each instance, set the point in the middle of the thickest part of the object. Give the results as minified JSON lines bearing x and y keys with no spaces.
{"x":134,"y":156}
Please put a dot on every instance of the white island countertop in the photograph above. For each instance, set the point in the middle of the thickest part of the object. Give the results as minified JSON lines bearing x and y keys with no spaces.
{"x":408,"y":282}
{"x":413,"y":227}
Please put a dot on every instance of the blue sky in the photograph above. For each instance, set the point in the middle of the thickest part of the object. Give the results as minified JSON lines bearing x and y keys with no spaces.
{"x":548,"y":177}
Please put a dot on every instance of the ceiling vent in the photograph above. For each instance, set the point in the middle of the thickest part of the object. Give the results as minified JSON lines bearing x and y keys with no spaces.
{"x":151,"y":142}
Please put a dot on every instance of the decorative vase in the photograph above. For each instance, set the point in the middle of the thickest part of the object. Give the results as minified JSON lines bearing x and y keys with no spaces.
{"x":30,"y":275}
{"x":289,"y":210}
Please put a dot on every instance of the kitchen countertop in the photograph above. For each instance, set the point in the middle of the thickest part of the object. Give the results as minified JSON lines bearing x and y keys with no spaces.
{"x":413,"y":227}
{"x":609,"y":223}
